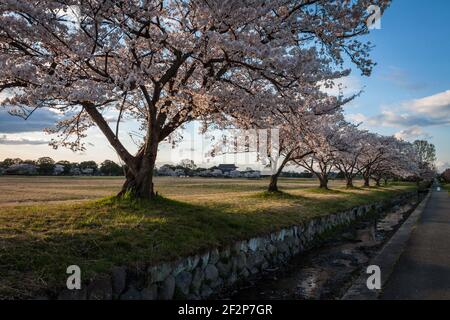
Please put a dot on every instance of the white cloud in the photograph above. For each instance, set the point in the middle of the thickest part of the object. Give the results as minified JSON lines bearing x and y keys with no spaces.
{"x":438,"y":105}
{"x":442,"y":165}
{"x":20,"y":141}
{"x":428,"y":111}
{"x":357,"y":117}
{"x":412,"y":133}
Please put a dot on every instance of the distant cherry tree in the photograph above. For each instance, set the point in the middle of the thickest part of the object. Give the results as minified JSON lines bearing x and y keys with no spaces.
{"x":346,"y":159}
{"x":446,"y":175}
{"x":324,"y":140}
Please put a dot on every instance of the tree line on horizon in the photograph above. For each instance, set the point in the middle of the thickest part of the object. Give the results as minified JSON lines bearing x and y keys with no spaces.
{"x":344,"y":164}
{"x":46,"y":166}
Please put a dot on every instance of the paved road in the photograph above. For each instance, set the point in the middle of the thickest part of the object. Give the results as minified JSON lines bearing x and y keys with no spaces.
{"x":423,"y":270}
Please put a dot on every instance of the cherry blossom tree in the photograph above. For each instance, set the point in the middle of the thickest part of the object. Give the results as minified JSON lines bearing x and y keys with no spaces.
{"x":324,"y":139}
{"x":381,"y":170}
{"x":377,"y":157}
{"x":295,"y":120}
{"x":165,"y":63}
{"x":380,"y":156}
{"x":300,"y":130}
{"x":352,"y":148}
{"x":374,"y":150}
{"x":387,"y":165}
{"x":399,"y":161}
{"x":445,"y":176}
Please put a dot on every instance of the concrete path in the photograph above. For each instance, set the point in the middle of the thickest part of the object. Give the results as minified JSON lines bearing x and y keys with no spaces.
{"x":423,"y":270}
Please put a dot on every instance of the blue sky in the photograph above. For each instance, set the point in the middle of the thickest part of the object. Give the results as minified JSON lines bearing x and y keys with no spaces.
{"x":413,"y":56}
{"x":408,"y":93}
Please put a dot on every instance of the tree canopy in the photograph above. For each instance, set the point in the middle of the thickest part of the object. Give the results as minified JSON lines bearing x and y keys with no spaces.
{"x":164,"y":63}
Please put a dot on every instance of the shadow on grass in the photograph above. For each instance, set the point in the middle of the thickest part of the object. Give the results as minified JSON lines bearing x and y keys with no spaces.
{"x":39,"y":242}
{"x":324,"y":191}
{"x":286,"y":195}
{"x":353,"y":188}
{"x":277,"y":195}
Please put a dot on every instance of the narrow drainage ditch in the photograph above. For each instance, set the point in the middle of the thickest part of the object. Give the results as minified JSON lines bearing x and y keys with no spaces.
{"x":327,"y":271}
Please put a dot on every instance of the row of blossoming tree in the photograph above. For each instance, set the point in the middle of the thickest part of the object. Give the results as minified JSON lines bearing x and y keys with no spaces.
{"x":324,"y":142}
{"x":162,"y":64}
{"x":333,"y":143}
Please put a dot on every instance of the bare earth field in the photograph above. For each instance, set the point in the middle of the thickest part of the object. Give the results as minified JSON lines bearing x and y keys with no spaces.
{"x":49,"y":223}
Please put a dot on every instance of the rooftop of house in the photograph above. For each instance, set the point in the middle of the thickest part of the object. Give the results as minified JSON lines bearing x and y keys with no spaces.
{"x":227,"y":166}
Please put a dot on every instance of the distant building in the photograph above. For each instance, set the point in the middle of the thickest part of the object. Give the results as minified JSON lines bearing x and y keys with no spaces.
{"x":226,"y":168}
{"x":220,"y":171}
{"x":22,"y":169}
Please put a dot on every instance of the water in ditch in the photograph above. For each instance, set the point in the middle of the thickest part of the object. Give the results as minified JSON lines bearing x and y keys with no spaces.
{"x":327,"y":272}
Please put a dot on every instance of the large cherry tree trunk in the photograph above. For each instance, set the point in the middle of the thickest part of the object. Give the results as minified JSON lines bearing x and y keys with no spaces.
{"x":273,"y":184}
{"x":348,"y":175}
{"x":366,"y":180}
{"x":349,"y":180}
{"x":139,"y":168}
{"x":323,"y":178}
{"x":140,"y":184}
{"x":139,"y":181}
{"x":378,"y":181}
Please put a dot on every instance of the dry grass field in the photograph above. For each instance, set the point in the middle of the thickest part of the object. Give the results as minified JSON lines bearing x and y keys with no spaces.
{"x":49,"y":223}
{"x":16,"y":190}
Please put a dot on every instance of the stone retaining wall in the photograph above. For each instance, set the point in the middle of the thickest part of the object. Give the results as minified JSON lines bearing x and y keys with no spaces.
{"x":202,"y":275}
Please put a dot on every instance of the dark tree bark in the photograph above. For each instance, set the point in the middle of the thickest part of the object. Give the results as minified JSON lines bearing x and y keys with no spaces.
{"x":366,"y":181}
{"x":140,"y":184}
{"x":378,"y":182}
{"x":322,"y":175}
{"x":273,"y":187}
{"x":273,"y":184}
{"x":109,"y":134}
{"x":349,"y":180}
{"x":139,"y":172}
{"x":323,"y":178}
